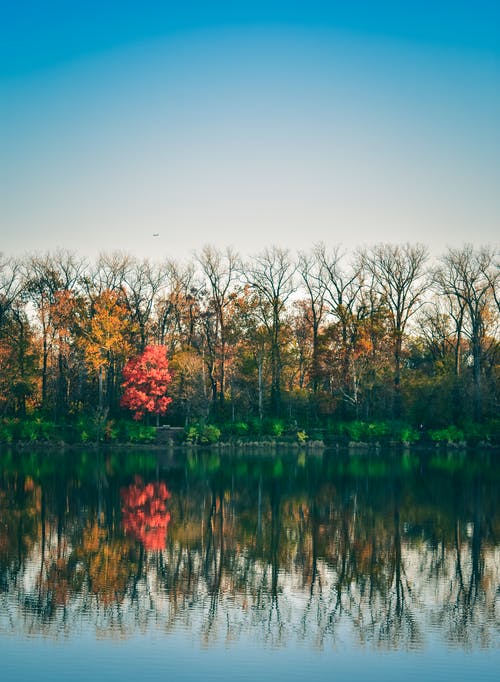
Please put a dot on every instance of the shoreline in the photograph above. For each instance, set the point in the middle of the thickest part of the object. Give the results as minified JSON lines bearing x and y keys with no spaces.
{"x":278,"y":446}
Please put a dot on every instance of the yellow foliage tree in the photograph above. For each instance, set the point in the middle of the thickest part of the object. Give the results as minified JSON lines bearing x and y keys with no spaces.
{"x":106,"y":338}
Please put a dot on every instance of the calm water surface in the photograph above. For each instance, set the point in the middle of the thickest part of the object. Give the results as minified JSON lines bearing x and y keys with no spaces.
{"x":249,"y":566}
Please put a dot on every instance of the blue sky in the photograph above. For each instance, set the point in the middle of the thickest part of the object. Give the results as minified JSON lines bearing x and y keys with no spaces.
{"x":247,"y":124}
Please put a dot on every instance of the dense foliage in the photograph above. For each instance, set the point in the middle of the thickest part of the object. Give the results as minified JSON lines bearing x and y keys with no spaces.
{"x":146,"y":382}
{"x":273,"y":343}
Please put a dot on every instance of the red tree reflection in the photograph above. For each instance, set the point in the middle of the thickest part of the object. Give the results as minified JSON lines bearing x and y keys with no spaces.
{"x":145,"y":514}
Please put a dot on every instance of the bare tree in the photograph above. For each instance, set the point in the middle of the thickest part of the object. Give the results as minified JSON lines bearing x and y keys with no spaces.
{"x":439,"y":335}
{"x":12,"y":284}
{"x":270,"y":274}
{"x":342,"y":289}
{"x":493,"y":274}
{"x":310,"y":268}
{"x":178,"y":325}
{"x":16,"y":344}
{"x":221,"y":270}
{"x":143,"y":282}
{"x":400,"y":279}
{"x":108,"y":274}
{"x":177,"y":310}
{"x":469,"y":279}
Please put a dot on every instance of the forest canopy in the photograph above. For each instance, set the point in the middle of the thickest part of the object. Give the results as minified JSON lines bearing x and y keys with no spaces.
{"x":381,"y":333}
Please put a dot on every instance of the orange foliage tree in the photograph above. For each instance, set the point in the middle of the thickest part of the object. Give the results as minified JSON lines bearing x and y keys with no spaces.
{"x":105,"y":337}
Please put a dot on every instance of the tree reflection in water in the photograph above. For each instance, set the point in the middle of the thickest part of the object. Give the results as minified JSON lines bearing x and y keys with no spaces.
{"x":382,"y":551}
{"x":145,"y":514}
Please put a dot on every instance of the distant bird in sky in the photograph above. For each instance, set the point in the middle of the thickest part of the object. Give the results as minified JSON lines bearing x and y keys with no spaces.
{"x":156,"y":234}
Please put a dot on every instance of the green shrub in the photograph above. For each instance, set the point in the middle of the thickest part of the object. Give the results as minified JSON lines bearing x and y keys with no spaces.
{"x":6,"y":431}
{"x":377,"y":430}
{"x":36,"y":429}
{"x":271,"y":427}
{"x":130,"y":431}
{"x":451,"y":434}
{"x":85,"y":429}
{"x":356,"y":430}
{"x":33,"y":429}
{"x":408,"y":434}
{"x":277,"y":427}
{"x":28,"y":431}
{"x":239,"y":429}
{"x":401,"y":432}
{"x":209,"y":434}
{"x":256,"y":426}
{"x":475,"y":433}
{"x":202,"y":433}
{"x":192,"y":435}
{"x":372,"y":432}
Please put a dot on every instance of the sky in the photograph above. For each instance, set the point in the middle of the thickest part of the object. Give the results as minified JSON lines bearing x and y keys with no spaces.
{"x":247,"y":125}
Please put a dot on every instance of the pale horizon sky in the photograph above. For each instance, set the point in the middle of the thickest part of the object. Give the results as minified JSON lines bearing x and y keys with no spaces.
{"x":248,"y":127}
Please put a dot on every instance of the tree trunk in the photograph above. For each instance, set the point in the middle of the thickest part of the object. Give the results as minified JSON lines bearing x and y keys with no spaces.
{"x":397,"y":406}
{"x":101,"y":401}
{"x":478,"y":397}
{"x":260,"y":388}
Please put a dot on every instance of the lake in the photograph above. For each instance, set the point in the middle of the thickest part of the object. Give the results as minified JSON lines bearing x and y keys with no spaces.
{"x":127,"y":565}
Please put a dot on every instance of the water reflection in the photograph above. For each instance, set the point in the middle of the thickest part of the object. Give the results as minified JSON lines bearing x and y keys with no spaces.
{"x":145,"y":514}
{"x":392,"y":552}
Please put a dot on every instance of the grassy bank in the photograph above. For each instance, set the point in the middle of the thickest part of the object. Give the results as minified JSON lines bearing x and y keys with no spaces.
{"x":92,"y":429}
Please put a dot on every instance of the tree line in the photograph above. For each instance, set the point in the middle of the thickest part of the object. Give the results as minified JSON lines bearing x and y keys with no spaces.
{"x":381,"y":333}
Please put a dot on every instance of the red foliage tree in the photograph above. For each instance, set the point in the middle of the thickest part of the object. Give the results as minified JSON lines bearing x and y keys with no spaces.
{"x":146,"y":381}
{"x":145,"y":514}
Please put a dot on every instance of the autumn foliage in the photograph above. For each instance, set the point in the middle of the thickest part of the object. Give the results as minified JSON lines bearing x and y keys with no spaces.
{"x":312,"y":339}
{"x":147,"y":378}
{"x":145,"y":514}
